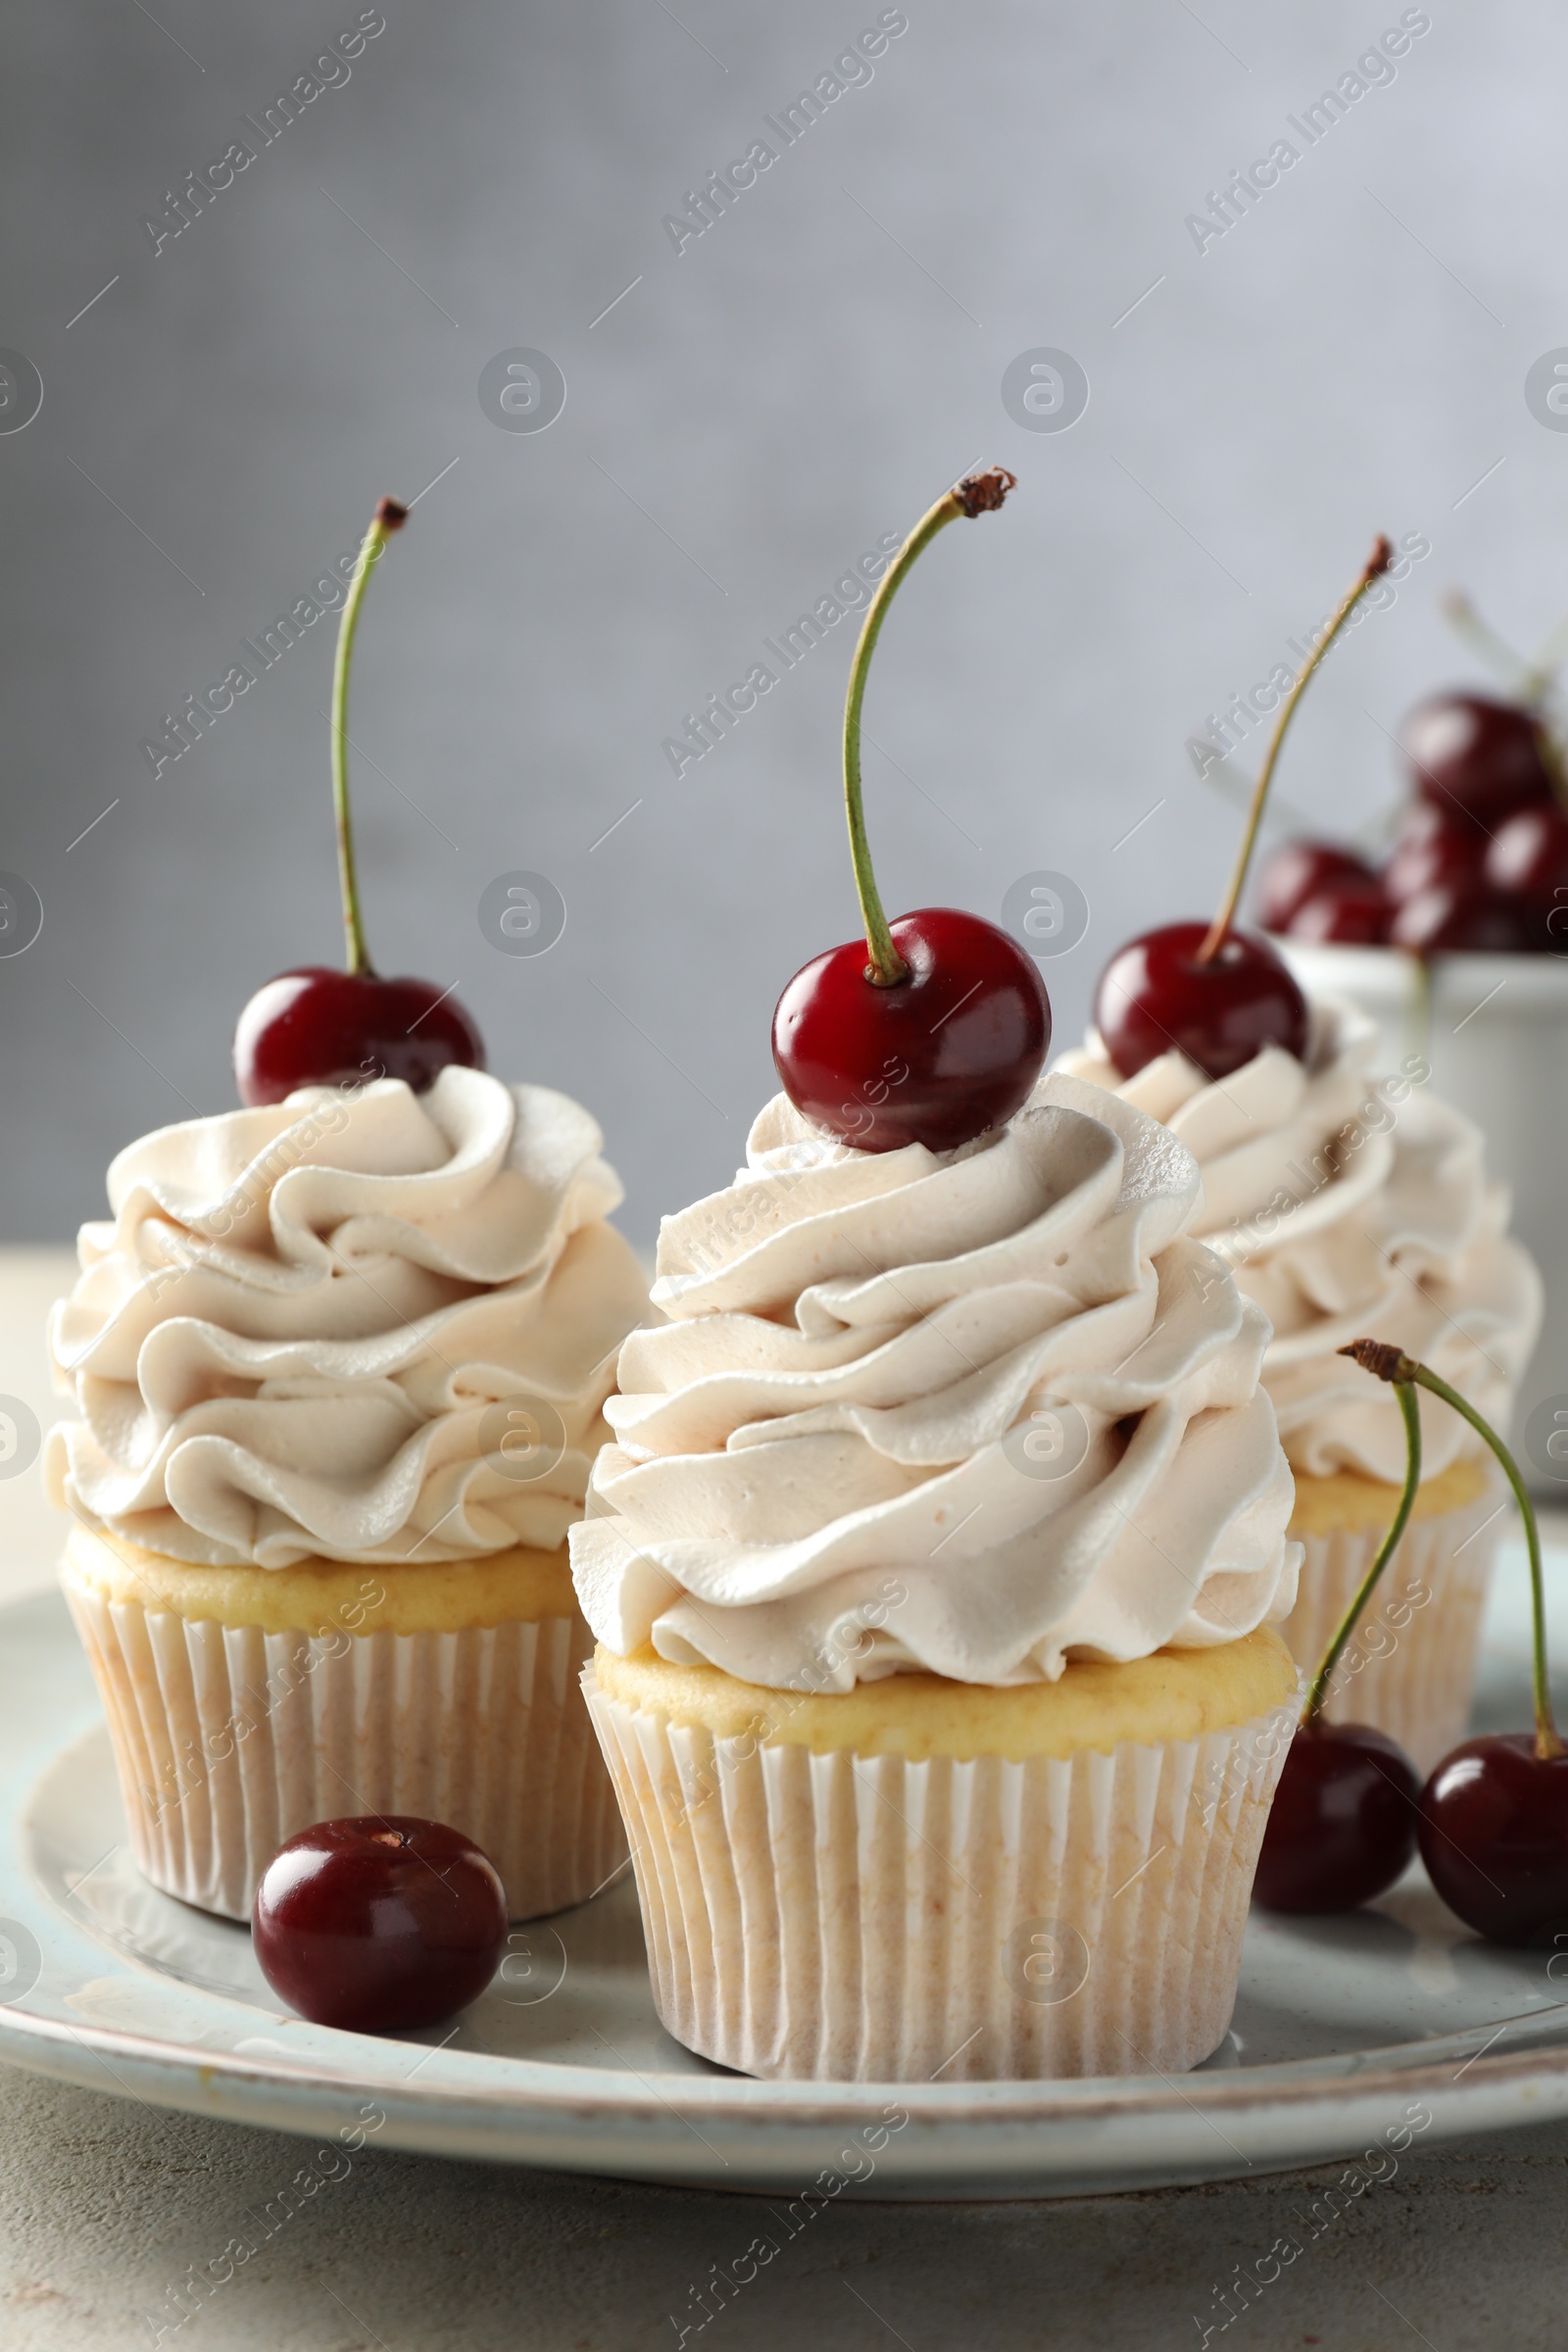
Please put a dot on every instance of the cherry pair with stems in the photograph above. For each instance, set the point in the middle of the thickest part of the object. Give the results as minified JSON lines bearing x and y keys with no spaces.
{"x":1349,"y":1811}
{"x":383,"y":1924}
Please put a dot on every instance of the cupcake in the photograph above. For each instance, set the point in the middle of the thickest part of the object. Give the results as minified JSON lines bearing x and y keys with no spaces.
{"x":933,"y":1569}
{"x":1345,"y":1203}
{"x":339,"y":1363}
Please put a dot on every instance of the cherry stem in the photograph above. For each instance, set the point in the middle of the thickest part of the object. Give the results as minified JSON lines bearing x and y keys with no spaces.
{"x":1377,"y":564}
{"x":1318,"y":1689}
{"x":1549,"y":659}
{"x":389,"y":516}
{"x":976,"y":494}
{"x":1526,"y":679}
{"x":1391,"y":1363}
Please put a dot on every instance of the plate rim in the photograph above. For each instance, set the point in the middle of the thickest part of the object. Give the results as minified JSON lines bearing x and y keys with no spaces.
{"x":1291,"y":2083}
{"x":506,"y":2101}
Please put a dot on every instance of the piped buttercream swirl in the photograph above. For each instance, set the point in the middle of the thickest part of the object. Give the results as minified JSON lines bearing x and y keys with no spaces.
{"x":304,"y":1331}
{"x":828,"y":1461}
{"x":1350,"y":1207}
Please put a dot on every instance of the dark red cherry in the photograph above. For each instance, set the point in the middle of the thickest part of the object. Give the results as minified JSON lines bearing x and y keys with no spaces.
{"x":1433,"y":847}
{"x":1154,"y":997}
{"x":1344,"y":1821}
{"x":1350,"y":913}
{"x":935,"y":1058}
{"x":1527,"y":861}
{"x":320,"y":1027}
{"x":1493,"y":1816}
{"x":1218,"y":995}
{"x":1299,"y":871}
{"x":1462,"y":917}
{"x":1476,"y":756}
{"x":1529,"y":854}
{"x":931,"y":1029}
{"x":1495,"y":1837}
{"x":380,"y":1923}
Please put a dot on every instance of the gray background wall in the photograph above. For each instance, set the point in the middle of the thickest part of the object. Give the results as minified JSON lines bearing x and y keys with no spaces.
{"x":754,"y":413}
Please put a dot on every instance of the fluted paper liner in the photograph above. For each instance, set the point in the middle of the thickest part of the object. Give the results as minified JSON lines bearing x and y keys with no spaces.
{"x":229,"y":1740}
{"x":854,"y":1919}
{"x":1409,"y":1668}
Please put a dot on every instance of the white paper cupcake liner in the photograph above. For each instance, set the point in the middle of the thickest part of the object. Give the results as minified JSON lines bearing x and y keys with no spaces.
{"x":865,"y":1918}
{"x":229,"y":1740}
{"x":1410,"y":1665}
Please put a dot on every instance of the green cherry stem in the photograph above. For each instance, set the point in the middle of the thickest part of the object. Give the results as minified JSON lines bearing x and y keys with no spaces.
{"x":1391,"y":1363}
{"x":1318,"y":1689}
{"x":1541,"y":674}
{"x":1377,"y":564}
{"x":1525,"y":678}
{"x":976,"y":494}
{"x":389,"y":516}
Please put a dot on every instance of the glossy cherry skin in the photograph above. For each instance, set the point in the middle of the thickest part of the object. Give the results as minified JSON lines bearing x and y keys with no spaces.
{"x":320,"y":1027}
{"x":1300,"y":870}
{"x":1348,"y":913}
{"x":934,"y":1059}
{"x":1462,"y":917}
{"x":1472,"y":756}
{"x":1156,"y":997}
{"x":1344,"y":1821}
{"x":1495,"y":1837}
{"x":1529,"y":854}
{"x":378,"y":1924}
{"x":1432,"y":848}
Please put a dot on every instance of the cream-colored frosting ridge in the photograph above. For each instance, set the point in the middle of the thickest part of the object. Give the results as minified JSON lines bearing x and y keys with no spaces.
{"x":975,"y":1411}
{"x":363,"y":1324}
{"x":1350,"y":1206}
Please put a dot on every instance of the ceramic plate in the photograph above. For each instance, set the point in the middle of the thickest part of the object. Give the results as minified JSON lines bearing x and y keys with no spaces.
{"x":1351,"y":2035}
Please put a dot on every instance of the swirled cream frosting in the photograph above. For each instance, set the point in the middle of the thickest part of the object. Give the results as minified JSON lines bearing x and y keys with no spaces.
{"x":363,"y":1324}
{"x":1350,"y":1207}
{"x":974,"y":1411}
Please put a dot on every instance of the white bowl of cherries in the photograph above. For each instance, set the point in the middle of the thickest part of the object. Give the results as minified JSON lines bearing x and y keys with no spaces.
{"x":1457,"y":946}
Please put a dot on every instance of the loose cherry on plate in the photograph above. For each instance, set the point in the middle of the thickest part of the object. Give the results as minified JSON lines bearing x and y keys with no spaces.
{"x":1344,"y":1821}
{"x":315,"y":1026}
{"x":1217,"y":993}
{"x":1494,"y":1825}
{"x":1495,"y":1837}
{"x":930,"y":1029}
{"x":378,"y":1924}
{"x":1343,"y":1825}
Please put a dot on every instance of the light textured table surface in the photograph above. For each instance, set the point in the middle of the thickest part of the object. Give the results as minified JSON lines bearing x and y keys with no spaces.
{"x":105,"y":2202}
